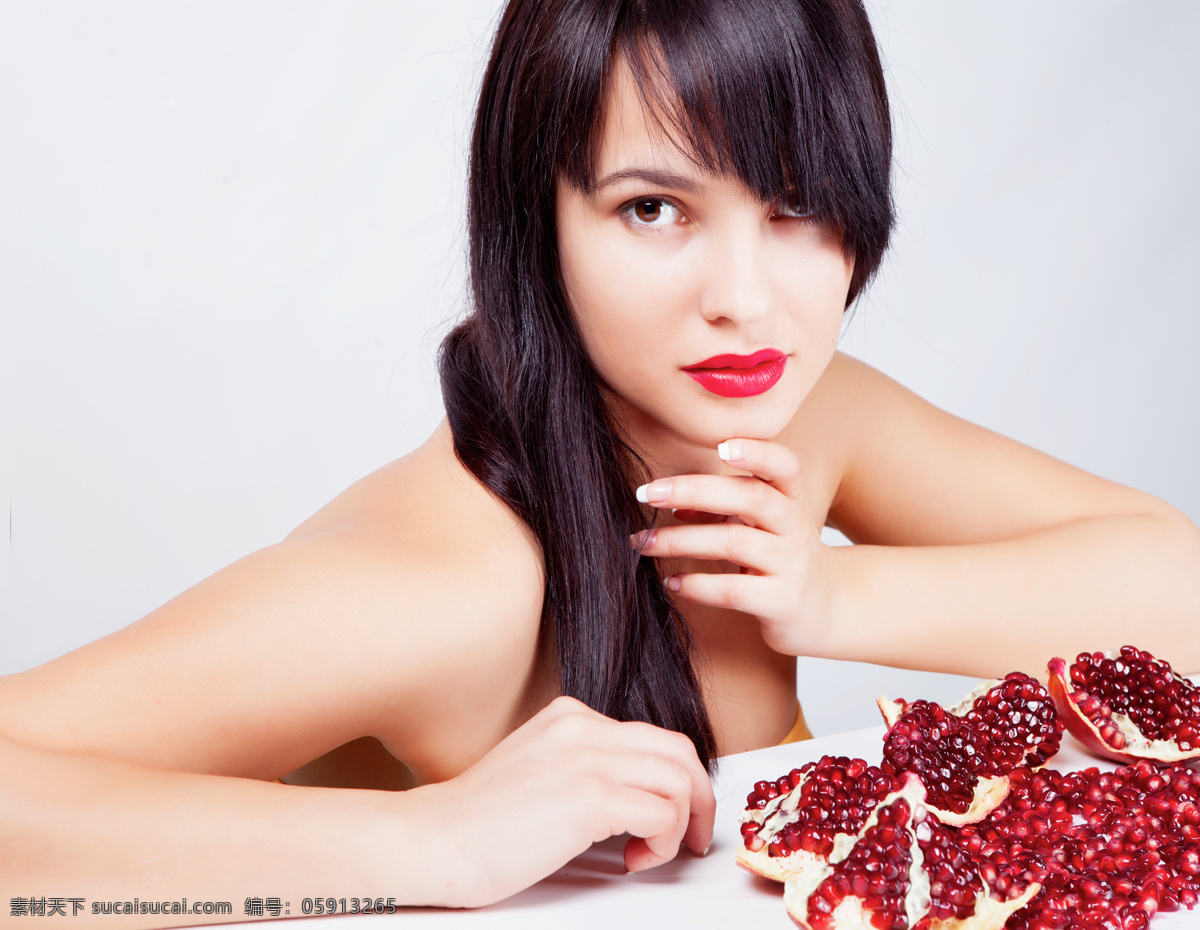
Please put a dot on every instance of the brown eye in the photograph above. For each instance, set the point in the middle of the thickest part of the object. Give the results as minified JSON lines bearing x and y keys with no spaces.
{"x":651,"y":213}
{"x":648,"y":210}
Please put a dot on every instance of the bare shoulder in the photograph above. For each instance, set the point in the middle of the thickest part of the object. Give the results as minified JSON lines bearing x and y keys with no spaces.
{"x":905,"y":472}
{"x":429,"y":496}
{"x":412,"y":578}
{"x":429,"y":507}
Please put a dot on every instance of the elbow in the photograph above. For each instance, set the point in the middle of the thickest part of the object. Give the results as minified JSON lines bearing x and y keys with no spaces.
{"x":1180,"y":534}
{"x":1175,"y":544}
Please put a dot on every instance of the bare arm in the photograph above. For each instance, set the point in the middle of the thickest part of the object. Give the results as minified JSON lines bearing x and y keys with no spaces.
{"x":107,"y":830}
{"x":975,"y":554}
{"x":138,"y":766}
{"x":991,"y":608}
{"x":129,"y":768}
{"x":979,"y":555}
{"x":104,"y":829}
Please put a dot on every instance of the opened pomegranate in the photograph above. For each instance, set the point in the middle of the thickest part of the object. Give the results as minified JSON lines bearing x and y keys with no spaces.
{"x":964,"y":754}
{"x":1110,"y":849}
{"x":1090,"y":850}
{"x":903,"y":870}
{"x":1128,"y":706}
{"x":794,"y":821}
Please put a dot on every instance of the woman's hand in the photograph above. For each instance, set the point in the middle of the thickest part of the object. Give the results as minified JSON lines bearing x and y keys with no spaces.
{"x":780,"y":572}
{"x":567,"y":778}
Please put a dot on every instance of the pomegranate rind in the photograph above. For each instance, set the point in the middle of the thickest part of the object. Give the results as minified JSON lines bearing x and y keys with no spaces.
{"x":960,"y":709}
{"x":1137,"y":746}
{"x":780,"y":812}
{"x":776,"y":868}
{"x":849,"y":913}
{"x":760,"y":861}
{"x":990,"y":913}
{"x":891,"y":710}
{"x":990,"y":793}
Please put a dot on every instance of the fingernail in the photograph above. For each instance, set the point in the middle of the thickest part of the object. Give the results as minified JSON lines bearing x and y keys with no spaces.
{"x":706,"y":849}
{"x":644,"y":538}
{"x":672,"y":583}
{"x":654,"y":493}
{"x":732,"y":450}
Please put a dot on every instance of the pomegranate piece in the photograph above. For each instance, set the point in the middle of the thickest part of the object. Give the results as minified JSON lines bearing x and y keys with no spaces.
{"x":949,"y":757}
{"x":1019,"y":719}
{"x":794,"y":821}
{"x":1128,"y":706}
{"x":1110,"y":849}
{"x":965,"y":754}
{"x":903,"y":870}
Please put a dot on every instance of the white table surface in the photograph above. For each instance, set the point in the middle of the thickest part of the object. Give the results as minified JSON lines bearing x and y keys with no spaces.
{"x":592,"y":890}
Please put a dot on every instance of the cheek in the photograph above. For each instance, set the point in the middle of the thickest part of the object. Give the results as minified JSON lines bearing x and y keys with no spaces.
{"x":625,"y":309}
{"x":820,"y":281}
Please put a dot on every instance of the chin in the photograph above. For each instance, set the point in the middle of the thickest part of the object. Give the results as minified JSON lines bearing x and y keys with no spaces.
{"x":707,"y":420}
{"x":756,"y":418}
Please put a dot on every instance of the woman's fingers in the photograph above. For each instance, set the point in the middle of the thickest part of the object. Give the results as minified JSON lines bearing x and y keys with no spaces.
{"x":742,"y":545}
{"x":755,"y":502}
{"x":657,"y":810}
{"x":772,"y":462}
{"x":745,"y":593}
{"x":664,"y":763}
{"x":787,"y":581}
{"x":652,"y":773}
{"x":763,"y":499}
{"x":638,"y":855}
{"x":701,"y":805}
{"x":567,"y":778}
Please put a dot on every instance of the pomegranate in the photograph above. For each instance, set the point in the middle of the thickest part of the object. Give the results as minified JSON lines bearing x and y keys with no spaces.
{"x":794,"y":821}
{"x":1091,"y":850}
{"x":903,"y":870}
{"x":1128,"y":706}
{"x":1110,"y":849}
{"x":964,"y":754}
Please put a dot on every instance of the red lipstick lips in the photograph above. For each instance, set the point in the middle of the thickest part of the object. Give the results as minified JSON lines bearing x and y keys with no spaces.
{"x":739,"y":375}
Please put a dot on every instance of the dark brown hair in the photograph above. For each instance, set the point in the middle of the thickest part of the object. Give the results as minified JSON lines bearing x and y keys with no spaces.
{"x":786,"y":95}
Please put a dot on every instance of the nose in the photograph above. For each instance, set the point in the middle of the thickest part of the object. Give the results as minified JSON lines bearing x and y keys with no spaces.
{"x":736,"y":283}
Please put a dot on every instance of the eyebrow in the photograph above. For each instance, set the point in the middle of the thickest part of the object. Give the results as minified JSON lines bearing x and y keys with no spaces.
{"x":652,"y":176}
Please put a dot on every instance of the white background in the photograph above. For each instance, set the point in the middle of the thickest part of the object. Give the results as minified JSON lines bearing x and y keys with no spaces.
{"x":231,"y":237}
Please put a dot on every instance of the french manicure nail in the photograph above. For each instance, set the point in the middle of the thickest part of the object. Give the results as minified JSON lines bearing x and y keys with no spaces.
{"x":654,"y":493}
{"x":731,"y":450}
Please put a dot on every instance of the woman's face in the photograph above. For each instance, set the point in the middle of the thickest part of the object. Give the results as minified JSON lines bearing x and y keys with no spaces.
{"x":667,"y":267}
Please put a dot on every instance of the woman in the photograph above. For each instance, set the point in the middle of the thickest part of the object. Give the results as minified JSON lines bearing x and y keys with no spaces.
{"x":653,"y":189}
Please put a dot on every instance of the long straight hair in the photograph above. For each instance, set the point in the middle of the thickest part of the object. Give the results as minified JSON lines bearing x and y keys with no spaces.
{"x":787,"y":96}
